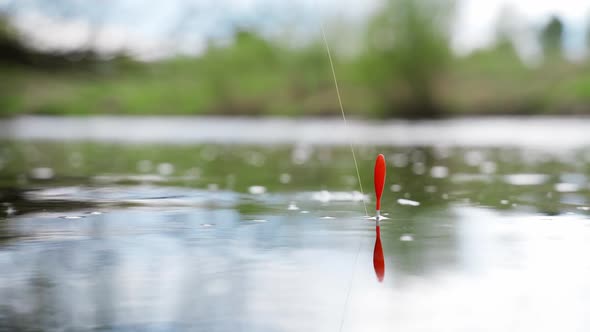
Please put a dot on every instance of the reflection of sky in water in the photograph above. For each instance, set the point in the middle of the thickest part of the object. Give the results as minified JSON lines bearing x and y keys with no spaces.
{"x":149,"y":267}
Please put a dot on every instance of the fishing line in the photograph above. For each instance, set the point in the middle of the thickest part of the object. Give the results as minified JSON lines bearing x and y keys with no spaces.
{"x":350,"y":286}
{"x":358,"y":174}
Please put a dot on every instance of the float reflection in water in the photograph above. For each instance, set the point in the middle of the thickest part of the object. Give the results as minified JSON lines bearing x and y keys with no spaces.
{"x":378,"y":261}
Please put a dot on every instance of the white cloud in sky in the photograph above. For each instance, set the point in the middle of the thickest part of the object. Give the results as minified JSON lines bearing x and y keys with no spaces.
{"x":145,"y":30}
{"x":41,"y":32}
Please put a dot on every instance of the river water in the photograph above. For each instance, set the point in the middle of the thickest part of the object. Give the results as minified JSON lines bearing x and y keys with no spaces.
{"x":212,"y":224}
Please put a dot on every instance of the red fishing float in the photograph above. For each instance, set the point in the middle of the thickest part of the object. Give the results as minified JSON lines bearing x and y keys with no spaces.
{"x":379,"y":178}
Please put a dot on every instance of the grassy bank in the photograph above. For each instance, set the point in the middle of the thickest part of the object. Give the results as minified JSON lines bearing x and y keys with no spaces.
{"x":291,"y":86}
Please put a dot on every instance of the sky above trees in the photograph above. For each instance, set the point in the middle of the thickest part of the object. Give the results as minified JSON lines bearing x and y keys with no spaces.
{"x":185,"y":26}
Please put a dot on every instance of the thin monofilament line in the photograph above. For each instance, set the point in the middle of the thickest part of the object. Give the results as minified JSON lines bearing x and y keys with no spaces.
{"x":358,"y":174}
{"x":356,"y":258}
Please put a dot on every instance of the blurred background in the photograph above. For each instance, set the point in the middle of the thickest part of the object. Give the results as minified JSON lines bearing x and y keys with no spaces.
{"x":394,"y":58}
{"x":182,"y":165}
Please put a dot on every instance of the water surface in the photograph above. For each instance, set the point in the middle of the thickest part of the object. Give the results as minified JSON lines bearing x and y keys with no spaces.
{"x":231,"y":229}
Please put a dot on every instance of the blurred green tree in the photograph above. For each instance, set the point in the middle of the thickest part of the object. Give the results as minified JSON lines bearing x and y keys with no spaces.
{"x":239,"y":74}
{"x":407,"y":53}
{"x":552,"y":38}
{"x":11,"y":48}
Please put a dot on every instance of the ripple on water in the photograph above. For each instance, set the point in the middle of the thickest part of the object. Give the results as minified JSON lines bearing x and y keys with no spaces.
{"x":144,"y":166}
{"x":564,"y":187}
{"x":165,"y":169}
{"x":468,"y":177}
{"x":257,"y":190}
{"x":409,"y":202}
{"x":301,"y":154}
{"x":255,"y":159}
{"x":406,"y":238}
{"x":10,"y":210}
{"x":399,"y":160}
{"x":418,"y":168}
{"x":488,"y":167}
{"x":338,"y":196}
{"x":285,"y":178}
{"x":526,"y":179}
{"x":94,"y":213}
{"x":576,"y":178}
{"x":71,"y":217}
{"x":430,"y":189}
{"x":439,"y":172}
{"x":42,"y":173}
{"x":395,"y":188}
{"x":146,"y":195}
{"x":474,"y":157}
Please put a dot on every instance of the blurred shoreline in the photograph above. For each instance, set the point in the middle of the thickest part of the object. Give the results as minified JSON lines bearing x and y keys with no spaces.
{"x":400,"y":64}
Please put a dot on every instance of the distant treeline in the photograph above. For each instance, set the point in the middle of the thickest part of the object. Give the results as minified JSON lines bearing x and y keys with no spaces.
{"x":404,"y":68}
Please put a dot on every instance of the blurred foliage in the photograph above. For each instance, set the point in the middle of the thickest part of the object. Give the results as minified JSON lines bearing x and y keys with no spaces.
{"x":552,"y":37}
{"x":405,"y":68}
{"x":12,"y":48}
{"x":15,"y":51}
{"x":408,"y":51}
